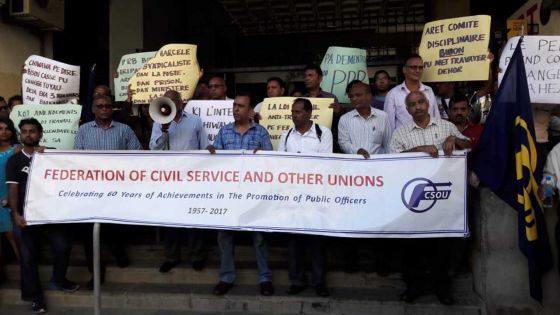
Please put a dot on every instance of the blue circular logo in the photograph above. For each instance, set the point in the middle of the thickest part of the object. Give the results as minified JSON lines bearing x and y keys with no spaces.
{"x":415,"y":199}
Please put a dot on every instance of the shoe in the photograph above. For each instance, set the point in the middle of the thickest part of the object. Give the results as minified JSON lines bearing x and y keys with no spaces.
{"x":266,"y":288}
{"x":322,"y":290}
{"x":167,"y":265}
{"x":295,"y":289}
{"x":123,"y":261}
{"x":38,"y":307}
{"x":222,"y":288}
{"x":198,"y":265}
{"x":409,"y":296}
{"x":67,"y":287}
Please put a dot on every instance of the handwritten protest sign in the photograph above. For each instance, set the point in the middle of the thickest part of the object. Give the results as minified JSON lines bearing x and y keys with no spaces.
{"x":60,"y":122}
{"x":276,"y":115}
{"x":46,"y":81}
{"x":128,"y":66}
{"x":541,"y":55}
{"x":456,"y":49}
{"x":340,"y":66}
{"x":174,"y":67}
{"x":214,"y":115}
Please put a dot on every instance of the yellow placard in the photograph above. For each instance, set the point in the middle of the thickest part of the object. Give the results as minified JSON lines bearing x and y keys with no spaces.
{"x":276,"y":115}
{"x":174,"y":67}
{"x":456,"y":49}
{"x":516,"y":28}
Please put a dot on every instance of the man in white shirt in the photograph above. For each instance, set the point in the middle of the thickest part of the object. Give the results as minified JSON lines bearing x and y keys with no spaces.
{"x":365,"y":130}
{"x":306,"y":137}
{"x":395,"y":105}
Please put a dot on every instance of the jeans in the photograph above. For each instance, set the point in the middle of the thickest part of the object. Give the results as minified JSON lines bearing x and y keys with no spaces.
{"x":28,"y":239}
{"x":227,"y":264}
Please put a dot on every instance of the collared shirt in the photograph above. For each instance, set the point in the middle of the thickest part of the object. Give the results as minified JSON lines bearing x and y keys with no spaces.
{"x":372,"y":134}
{"x":395,"y":106}
{"x":307,"y":142}
{"x":187,"y":134}
{"x":411,"y":135}
{"x":552,"y":166}
{"x":229,"y":138}
{"x":117,"y":137}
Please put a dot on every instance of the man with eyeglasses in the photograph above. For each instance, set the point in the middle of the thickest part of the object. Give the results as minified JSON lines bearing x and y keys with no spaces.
{"x":217,"y":88}
{"x":104,"y":133}
{"x":395,"y":105}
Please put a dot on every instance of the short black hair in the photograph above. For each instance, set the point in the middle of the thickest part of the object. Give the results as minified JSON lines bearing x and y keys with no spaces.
{"x":14,"y":98}
{"x":458,"y":98}
{"x":411,"y":56}
{"x":354,"y":82}
{"x":277,"y":79}
{"x":380,"y":72}
{"x":30,"y":121}
{"x":315,"y":68}
{"x":307,"y":106}
{"x":246,"y":94}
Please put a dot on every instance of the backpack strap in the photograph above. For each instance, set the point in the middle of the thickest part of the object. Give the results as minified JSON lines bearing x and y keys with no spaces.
{"x":286,"y":140}
{"x":318,"y":131}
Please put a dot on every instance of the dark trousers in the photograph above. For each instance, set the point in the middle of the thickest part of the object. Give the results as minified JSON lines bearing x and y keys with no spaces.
{"x":428,"y":260}
{"x":196,"y":244}
{"x":29,"y":239}
{"x":109,"y":234}
{"x":298,"y":245}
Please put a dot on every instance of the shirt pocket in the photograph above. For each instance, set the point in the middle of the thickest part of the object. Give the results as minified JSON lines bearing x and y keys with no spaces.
{"x":377,"y":136}
{"x":252,"y":144}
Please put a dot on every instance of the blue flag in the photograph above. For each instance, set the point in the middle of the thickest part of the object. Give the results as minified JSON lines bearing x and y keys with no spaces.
{"x":506,"y":162}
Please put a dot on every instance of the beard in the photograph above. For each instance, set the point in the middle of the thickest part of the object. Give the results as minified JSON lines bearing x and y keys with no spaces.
{"x":30,"y":143}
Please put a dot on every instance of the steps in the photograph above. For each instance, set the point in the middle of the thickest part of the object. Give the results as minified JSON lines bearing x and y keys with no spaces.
{"x":141,"y":287}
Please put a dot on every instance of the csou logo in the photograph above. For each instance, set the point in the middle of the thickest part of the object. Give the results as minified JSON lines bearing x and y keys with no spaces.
{"x":421,"y":194}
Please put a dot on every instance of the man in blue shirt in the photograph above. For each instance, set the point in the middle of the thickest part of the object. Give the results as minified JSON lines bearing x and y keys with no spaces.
{"x":184,"y":132}
{"x":104,"y":133}
{"x":243,"y":134}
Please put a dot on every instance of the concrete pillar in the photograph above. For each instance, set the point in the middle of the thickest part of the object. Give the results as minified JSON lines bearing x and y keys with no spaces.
{"x":126,"y":30}
{"x":500,"y":270}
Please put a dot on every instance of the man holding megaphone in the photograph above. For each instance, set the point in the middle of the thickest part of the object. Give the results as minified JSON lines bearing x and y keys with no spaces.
{"x":177,"y":130}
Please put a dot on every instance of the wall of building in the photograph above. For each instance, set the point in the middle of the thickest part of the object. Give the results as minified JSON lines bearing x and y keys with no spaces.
{"x":17,"y":42}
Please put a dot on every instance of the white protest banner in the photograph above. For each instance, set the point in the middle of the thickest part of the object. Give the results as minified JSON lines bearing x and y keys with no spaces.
{"x":214,"y":115}
{"x":406,"y":195}
{"x":46,"y":81}
{"x":456,"y":49}
{"x":174,"y":67}
{"x":276,"y":115}
{"x":342,"y":65}
{"x":60,"y":122}
{"x":128,"y":66}
{"x":542,"y":66}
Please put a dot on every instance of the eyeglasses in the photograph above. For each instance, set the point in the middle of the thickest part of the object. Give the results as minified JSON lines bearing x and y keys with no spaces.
{"x":106,"y":106}
{"x":214,"y":86}
{"x":416,"y":68}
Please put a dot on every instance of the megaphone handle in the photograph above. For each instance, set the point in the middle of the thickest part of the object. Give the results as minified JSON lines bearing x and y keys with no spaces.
{"x":166,"y":147}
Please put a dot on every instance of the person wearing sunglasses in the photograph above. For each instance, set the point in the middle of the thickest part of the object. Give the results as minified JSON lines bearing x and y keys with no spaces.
{"x":395,"y":105}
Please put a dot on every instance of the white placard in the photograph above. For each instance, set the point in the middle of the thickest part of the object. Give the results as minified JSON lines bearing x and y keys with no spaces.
{"x":214,"y":115}
{"x":47,"y":81}
{"x":406,"y":195}
{"x":541,"y":55}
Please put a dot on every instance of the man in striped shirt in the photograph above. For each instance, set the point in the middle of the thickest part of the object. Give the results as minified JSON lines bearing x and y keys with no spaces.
{"x":427,"y":134}
{"x":365,"y":130}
